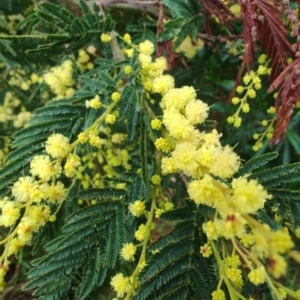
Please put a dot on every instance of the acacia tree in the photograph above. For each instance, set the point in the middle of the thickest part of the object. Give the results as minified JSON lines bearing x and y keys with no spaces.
{"x":120,"y":179}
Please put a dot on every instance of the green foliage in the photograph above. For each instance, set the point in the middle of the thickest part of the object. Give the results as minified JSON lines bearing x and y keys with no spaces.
{"x":89,"y":246}
{"x":256,"y":163}
{"x":131,"y":223}
{"x":74,"y":31}
{"x":172,"y":271}
{"x":188,"y":20}
{"x":55,"y":116}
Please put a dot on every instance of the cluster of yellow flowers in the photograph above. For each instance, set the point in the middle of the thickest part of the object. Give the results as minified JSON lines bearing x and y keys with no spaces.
{"x":269,"y":128}
{"x":10,"y":103}
{"x":252,"y":83}
{"x":39,"y":196}
{"x":13,"y":112}
{"x":35,"y":198}
{"x":84,"y":58}
{"x":188,"y":48}
{"x":198,"y":155}
{"x":60,"y":80}
{"x":106,"y":151}
{"x":201,"y":157}
{"x":20,"y":78}
{"x":9,"y":22}
{"x":148,"y":71}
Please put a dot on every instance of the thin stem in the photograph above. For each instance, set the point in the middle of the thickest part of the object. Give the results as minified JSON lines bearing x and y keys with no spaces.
{"x":96,"y":123}
{"x":272,"y":286}
{"x":287,"y":290}
{"x":230,"y":288}
{"x":241,"y":253}
{"x":42,"y":36}
{"x":131,"y":3}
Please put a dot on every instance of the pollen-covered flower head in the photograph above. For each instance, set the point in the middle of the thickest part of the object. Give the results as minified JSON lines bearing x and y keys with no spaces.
{"x":196,"y":112}
{"x":105,"y":38}
{"x":226,"y":162}
{"x":163,"y":145}
{"x":120,"y":284}
{"x":128,"y":251}
{"x":177,"y":125}
{"x":14,"y":246}
{"x":57,"y":145}
{"x":127,"y":38}
{"x":232,"y":261}
{"x":95,"y":102}
{"x":218,"y":295}
{"x":206,"y":155}
{"x":210,"y":230}
{"x":60,"y":78}
{"x":257,"y":276}
{"x":178,"y":98}
{"x":156,"y":124}
{"x":205,"y":191}
{"x":161,"y":63}
{"x":211,"y":138}
{"x":42,"y":167}
{"x":163,"y":84}
{"x":115,"y":96}
{"x":281,"y":241}
{"x":72,"y":163}
{"x":55,"y":192}
{"x":110,"y":119}
{"x":40,"y":213}
{"x":186,"y":158}
{"x":234,"y":275}
{"x":168,"y":165}
{"x":25,"y":229}
{"x":141,"y":233}
{"x":137,"y":208}
{"x":10,"y":213}
{"x":248,"y":196}
{"x":146,"y":47}
{"x":206,"y":250}
{"x":277,"y":265}
{"x":145,"y":61}
{"x":23,"y":188}
{"x":233,"y":225}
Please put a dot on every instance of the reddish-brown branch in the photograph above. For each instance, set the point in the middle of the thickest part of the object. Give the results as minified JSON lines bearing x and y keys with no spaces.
{"x":220,"y":10}
{"x":166,"y":45}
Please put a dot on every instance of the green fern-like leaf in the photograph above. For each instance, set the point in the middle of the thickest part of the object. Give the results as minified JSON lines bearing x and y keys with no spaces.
{"x":256,"y":163}
{"x":188,"y":20}
{"x":6,"y":45}
{"x":78,"y":248}
{"x":180,"y":214}
{"x":294,"y":210}
{"x":248,"y":289}
{"x":132,"y":119}
{"x":57,"y":116}
{"x":266,"y":219}
{"x":92,"y":274}
{"x":144,"y":150}
{"x":168,"y":273}
{"x":285,"y":195}
{"x":274,"y":175}
{"x":182,"y":231}
{"x":60,"y":16}
{"x":114,"y":194}
{"x":75,"y":32}
{"x":128,"y":96}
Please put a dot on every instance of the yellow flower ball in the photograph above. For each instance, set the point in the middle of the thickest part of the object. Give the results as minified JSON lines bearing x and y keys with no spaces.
{"x":105,"y":38}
